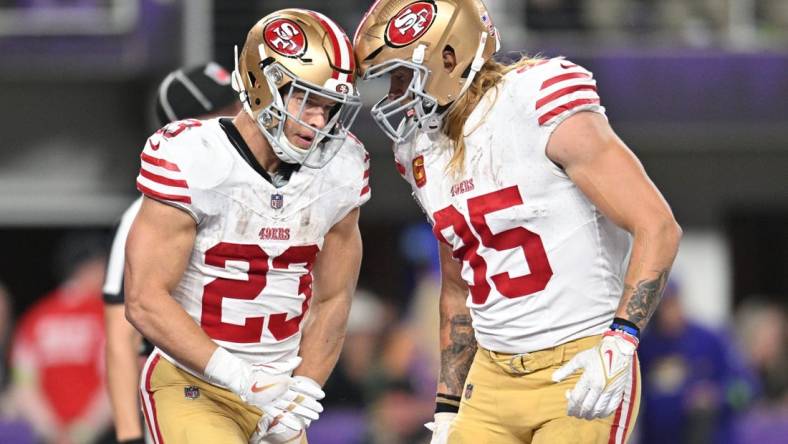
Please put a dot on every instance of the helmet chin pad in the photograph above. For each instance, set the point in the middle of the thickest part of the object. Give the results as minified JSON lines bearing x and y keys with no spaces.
{"x":291,"y":153}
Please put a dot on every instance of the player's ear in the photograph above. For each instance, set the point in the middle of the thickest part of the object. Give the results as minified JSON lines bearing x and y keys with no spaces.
{"x":449,"y":58}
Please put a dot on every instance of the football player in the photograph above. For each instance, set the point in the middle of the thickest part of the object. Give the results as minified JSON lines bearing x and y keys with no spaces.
{"x":201,"y":92}
{"x":239,"y":217}
{"x":536,"y":202}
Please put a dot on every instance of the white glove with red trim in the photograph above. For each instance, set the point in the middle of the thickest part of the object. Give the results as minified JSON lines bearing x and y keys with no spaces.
{"x":440,"y":427}
{"x":607,"y":374}
{"x":258,"y":385}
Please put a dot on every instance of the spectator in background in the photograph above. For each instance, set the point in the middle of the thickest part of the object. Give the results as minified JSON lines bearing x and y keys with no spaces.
{"x":344,"y":420}
{"x":202,"y":92}
{"x":694,"y":381}
{"x":57,"y":360}
{"x":762,"y":330}
{"x":404,"y":388}
{"x":12,"y":430}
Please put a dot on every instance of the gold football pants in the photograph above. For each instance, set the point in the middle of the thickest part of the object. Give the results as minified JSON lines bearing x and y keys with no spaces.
{"x":180,"y":408}
{"x":510,"y":399}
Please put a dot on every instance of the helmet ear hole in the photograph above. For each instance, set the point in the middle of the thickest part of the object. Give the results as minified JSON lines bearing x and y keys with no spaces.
{"x":257,"y":101}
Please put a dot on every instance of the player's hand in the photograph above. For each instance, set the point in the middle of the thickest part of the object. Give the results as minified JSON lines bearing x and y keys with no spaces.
{"x":256,"y":384}
{"x":440,"y":427}
{"x":302,"y":399}
{"x":286,"y":436}
{"x":607,"y":373}
{"x":262,"y":384}
{"x":293,"y":412}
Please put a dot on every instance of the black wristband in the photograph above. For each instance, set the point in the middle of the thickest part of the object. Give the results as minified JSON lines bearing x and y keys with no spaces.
{"x":623,"y":321}
{"x":447,"y":403}
{"x":626,"y":326}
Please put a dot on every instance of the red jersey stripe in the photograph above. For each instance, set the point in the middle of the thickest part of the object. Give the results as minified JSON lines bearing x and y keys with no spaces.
{"x":544,"y":118}
{"x":562,"y":92}
{"x":364,"y":190}
{"x":568,"y":76}
{"x":159,"y":162}
{"x":163,"y":196}
{"x":400,"y":168}
{"x":366,"y":173}
{"x":163,"y":180}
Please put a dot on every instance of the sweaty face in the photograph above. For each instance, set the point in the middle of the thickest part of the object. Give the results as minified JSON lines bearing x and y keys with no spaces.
{"x":315,"y":111}
{"x":399,"y":81}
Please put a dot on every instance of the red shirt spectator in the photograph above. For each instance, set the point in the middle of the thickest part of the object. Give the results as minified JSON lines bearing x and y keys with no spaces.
{"x":61,"y":341}
{"x":57,"y":357}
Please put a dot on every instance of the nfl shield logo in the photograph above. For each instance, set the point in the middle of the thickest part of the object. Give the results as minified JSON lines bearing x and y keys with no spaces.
{"x":191,"y":392}
{"x":277,"y":200}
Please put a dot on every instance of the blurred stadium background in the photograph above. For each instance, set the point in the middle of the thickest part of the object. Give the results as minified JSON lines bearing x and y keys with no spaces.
{"x":697,"y":88}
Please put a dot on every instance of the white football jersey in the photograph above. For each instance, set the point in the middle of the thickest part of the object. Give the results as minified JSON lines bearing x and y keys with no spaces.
{"x":248,"y":283}
{"x":543,"y":265}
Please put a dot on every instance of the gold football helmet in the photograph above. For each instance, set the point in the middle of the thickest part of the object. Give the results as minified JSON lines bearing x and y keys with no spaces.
{"x":297,"y":50}
{"x":413,"y":34}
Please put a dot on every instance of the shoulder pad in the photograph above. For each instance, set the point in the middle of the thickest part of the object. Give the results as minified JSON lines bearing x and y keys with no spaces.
{"x":182,"y":157}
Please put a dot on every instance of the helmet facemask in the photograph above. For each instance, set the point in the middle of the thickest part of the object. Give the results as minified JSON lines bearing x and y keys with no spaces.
{"x":401,"y":116}
{"x":326,"y":141}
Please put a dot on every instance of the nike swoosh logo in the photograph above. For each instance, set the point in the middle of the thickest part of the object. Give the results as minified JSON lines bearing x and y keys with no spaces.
{"x":258,"y":389}
{"x":609,"y":354}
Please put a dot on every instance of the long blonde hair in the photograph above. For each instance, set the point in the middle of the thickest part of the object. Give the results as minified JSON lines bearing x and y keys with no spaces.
{"x":488,"y":77}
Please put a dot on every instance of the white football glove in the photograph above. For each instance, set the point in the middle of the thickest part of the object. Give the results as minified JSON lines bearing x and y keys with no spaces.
{"x":302,"y":399}
{"x":440,"y":427}
{"x":292,"y":412}
{"x":258,"y":385}
{"x":287,"y":436}
{"x":607,"y":373}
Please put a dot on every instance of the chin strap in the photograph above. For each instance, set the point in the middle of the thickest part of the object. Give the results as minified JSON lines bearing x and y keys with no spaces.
{"x":476,"y":65}
{"x":238,"y":85}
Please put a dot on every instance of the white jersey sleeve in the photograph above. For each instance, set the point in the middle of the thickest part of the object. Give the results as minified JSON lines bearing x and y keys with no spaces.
{"x":350,"y":170}
{"x":560,"y":89}
{"x":179,"y":167}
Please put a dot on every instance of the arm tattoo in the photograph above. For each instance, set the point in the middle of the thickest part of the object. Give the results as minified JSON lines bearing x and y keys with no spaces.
{"x":457,"y":356}
{"x":645,"y":298}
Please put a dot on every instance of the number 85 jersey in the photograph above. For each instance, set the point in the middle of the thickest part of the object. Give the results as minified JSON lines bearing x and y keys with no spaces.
{"x":542,"y":264}
{"x":248,"y":282}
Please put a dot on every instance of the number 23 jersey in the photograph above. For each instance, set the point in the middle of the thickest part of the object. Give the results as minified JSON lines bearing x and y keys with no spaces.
{"x":542,"y":264}
{"x":248,"y":282}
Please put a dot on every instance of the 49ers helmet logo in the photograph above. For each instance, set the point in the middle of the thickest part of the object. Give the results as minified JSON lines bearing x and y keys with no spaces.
{"x":410,"y":23}
{"x":286,"y":37}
